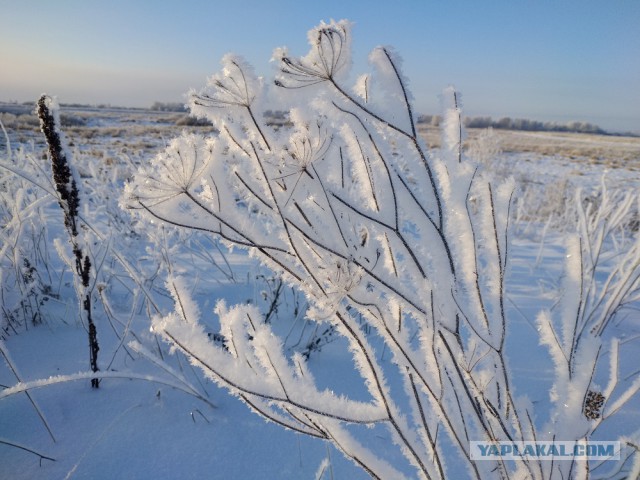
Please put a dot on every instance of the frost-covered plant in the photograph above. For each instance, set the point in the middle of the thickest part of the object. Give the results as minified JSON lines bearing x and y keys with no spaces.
{"x":25,"y":278}
{"x":485,"y":149}
{"x":602,"y":279}
{"x":67,"y":188}
{"x":350,"y":206}
{"x":24,"y":275}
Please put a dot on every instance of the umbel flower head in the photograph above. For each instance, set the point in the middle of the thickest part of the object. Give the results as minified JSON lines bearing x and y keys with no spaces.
{"x":235,"y":86}
{"x":307,"y":144}
{"x":330,"y":56}
{"x":175,"y":171}
{"x":340,"y":279}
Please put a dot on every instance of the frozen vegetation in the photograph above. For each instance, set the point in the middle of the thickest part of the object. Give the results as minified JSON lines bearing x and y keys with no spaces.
{"x":380,"y":296}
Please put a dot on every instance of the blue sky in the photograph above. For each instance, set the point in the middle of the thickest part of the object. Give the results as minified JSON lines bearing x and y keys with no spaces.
{"x":544,"y":59}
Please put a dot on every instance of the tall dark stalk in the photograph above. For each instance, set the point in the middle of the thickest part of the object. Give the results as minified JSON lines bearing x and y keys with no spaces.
{"x":69,"y":201}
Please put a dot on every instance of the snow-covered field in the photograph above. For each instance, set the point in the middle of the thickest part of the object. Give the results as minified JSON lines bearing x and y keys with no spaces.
{"x":156,"y":417}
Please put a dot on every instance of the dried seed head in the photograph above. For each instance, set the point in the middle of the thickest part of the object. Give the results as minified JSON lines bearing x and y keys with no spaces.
{"x":593,"y":405}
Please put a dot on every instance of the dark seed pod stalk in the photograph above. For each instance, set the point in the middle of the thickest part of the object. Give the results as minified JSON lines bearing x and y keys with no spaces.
{"x":69,"y":201}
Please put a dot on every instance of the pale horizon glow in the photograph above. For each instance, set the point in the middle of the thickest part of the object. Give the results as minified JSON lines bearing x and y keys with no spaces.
{"x":544,"y":60}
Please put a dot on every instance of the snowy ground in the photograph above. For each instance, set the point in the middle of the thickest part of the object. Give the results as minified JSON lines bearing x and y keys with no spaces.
{"x":140,"y":427}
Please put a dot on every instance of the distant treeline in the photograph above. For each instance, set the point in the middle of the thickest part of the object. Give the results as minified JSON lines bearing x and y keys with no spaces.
{"x":157,"y":106}
{"x":508,"y":123}
{"x":282,"y":118}
{"x":169,"y":107}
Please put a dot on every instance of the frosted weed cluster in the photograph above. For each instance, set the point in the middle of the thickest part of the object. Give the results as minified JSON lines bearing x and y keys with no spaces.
{"x":350,"y":206}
